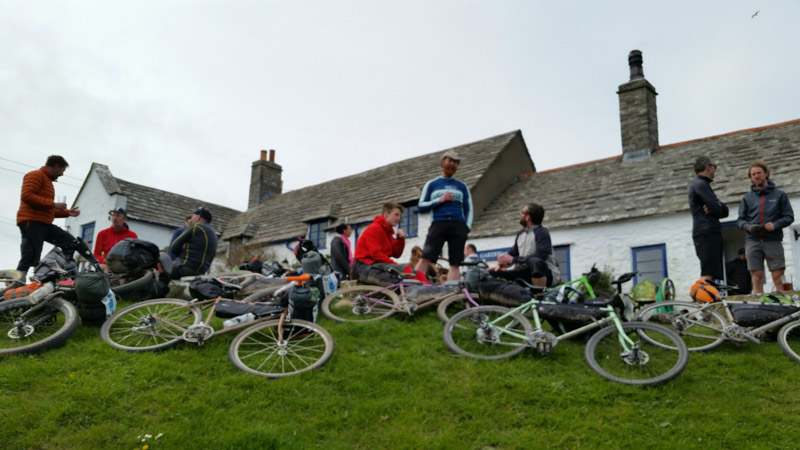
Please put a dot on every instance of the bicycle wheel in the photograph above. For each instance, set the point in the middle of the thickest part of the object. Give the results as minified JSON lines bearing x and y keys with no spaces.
{"x":453,"y":305}
{"x":789,"y":339}
{"x":700,"y":328}
{"x":258,"y":350}
{"x":361,"y":303}
{"x":134,"y":285}
{"x":10,"y":279}
{"x":668,"y":290}
{"x":46,"y":328}
{"x":641,"y":364}
{"x":480,"y":333}
{"x":151,"y":325}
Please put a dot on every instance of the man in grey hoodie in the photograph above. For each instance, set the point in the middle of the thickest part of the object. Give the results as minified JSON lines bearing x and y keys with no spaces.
{"x":763,"y":213}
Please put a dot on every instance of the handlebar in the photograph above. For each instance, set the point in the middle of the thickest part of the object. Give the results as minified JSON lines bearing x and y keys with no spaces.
{"x":299,"y":278}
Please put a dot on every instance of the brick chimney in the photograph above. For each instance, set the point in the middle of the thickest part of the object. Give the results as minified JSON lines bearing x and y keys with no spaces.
{"x":265,"y":179}
{"x":637,"y":112}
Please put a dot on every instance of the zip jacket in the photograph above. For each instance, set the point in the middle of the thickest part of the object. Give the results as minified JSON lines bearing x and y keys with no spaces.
{"x":199,"y":254}
{"x":37,"y":200}
{"x":377,"y":243}
{"x":459,"y":209}
{"x":761,"y":205}
{"x":700,"y":194}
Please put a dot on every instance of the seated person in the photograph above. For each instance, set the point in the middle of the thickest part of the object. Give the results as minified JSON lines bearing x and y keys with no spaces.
{"x":109,"y":237}
{"x":195,"y":247}
{"x":532,"y":253}
{"x":379,"y":243}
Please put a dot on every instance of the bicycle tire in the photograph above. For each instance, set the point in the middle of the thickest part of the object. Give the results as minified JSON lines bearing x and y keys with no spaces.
{"x":701,"y":329}
{"x":668,"y":290}
{"x":262,"y":295}
{"x":789,"y":339}
{"x":453,"y":305}
{"x":50,"y":333}
{"x":257,"y":350}
{"x":469,"y":334}
{"x":135,"y":285}
{"x":131,"y":329}
{"x":13,"y":279}
{"x":646,"y":364}
{"x":351,"y":304}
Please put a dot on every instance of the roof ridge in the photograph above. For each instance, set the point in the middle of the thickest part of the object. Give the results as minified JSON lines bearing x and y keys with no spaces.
{"x":732,"y":133}
{"x":206,"y":203}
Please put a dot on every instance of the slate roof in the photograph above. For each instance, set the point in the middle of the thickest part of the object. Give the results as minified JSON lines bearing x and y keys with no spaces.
{"x":609,"y":190}
{"x":159,"y":207}
{"x":358,"y":197}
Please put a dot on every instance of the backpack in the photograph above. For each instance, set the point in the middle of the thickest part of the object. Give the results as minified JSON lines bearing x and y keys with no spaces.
{"x":303,"y":247}
{"x":474,"y":276}
{"x":131,"y":255}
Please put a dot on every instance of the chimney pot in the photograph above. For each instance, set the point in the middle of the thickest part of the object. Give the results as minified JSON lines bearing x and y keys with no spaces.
{"x":272,"y":156}
{"x":263,"y":155}
{"x":635,"y":63}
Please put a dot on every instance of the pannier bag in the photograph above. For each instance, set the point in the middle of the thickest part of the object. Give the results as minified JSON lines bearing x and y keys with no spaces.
{"x":130,"y":255}
{"x":229,"y":309}
{"x":756,"y":314}
{"x":206,"y":288}
{"x":303,"y":303}
{"x":91,"y":288}
{"x":367,"y":274}
{"x":474,"y":276}
{"x":503,"y":292}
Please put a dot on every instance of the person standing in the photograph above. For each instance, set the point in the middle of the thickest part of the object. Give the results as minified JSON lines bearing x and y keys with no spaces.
{"x":195,"y":247}
{"x":451,"y":203}
{"x":706,"y":211}
{"x":763,"y":213}
{"x":112,"y":235}
{"x":341,"y":254}
{"x":738,"y":274}
{"x":38,"y":209}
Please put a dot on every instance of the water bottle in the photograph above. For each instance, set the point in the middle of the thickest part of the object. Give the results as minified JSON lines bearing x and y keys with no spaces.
{"x":330,"y":283}
{"x":239,"y":319}
{"x":39,"y":294}
{"x":110,"y":301}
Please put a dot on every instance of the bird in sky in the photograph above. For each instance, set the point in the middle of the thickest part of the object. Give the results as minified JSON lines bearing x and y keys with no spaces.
{"x":755,"y":14}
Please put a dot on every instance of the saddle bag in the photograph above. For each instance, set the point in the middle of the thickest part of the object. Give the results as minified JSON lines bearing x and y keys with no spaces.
{"x":503,"y":292}
{"x":304,"y":302}
{"x":131,"y":255}
{"x":756,"y":314}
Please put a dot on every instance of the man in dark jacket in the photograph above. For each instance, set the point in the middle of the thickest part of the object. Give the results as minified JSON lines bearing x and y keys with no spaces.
{"x":532,"y":253}
{"x":763,"y":213}
{"x":195,"y":247}
{"x":706,"y":211}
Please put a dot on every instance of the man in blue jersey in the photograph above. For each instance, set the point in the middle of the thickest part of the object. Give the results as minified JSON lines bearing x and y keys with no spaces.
{"x":451,"y":203}
{"x":195,"y":247}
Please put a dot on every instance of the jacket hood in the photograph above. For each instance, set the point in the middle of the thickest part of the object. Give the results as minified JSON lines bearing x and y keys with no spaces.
{"x":763,"y":190}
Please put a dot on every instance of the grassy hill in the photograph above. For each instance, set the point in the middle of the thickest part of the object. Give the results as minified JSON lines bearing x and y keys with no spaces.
{"x":391,"y":384}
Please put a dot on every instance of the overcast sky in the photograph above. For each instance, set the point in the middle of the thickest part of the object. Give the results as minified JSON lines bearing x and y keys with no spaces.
{"x":182,"y":95}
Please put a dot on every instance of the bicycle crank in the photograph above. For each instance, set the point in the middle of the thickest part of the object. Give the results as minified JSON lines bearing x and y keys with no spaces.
{"x":542,"y":341}
{"x":21,"y":331}
{"x":198,"y":333}
{"x":635,"y":357}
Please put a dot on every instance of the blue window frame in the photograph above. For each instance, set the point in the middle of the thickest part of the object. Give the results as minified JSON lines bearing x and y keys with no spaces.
{"x":87,"y":233}
{"x":561,"y":254}
{"x":317,"y":234}
{"x":409,"y":223}
{"x":650,"y":262}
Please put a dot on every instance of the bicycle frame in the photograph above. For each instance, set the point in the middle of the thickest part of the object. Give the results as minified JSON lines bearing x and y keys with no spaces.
{"x":611,"y":316}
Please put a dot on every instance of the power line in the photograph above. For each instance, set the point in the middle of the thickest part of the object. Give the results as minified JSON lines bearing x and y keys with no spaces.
{"x":34,"y":167}
{"x":23,"y":173}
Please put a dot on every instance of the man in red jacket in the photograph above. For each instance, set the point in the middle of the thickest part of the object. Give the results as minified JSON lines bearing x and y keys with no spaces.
{"x":37,"y":209}
{"x":110,"y":236}
{"x":378,"y":244}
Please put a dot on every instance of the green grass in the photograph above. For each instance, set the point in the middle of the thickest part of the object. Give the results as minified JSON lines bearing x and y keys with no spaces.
{"x":390,"y":384}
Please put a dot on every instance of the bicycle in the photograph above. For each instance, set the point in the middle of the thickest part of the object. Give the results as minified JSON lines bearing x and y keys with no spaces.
{"x":369,"y":303}
{"x":704,"y":327}
{"x":271,"y":345}
{"x":450,"y":306}
{"x":47,"y":317}
{"x":616,"y":352}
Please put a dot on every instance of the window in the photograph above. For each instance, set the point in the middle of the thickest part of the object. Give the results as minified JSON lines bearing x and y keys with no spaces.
{"x":650,"y":262}
{"x":317,"y":234}
{"x":561,"y":253}
{"x":409,"y":223}
{"x":87,"y":233}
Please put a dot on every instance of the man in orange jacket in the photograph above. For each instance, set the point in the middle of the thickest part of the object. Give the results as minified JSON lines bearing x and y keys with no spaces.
{"x":37,"y":209}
